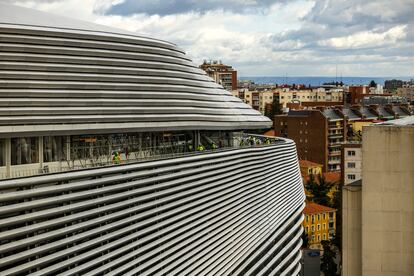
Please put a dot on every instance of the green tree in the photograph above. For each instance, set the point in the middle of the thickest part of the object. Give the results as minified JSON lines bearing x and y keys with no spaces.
{"x":372,"y":84}
{"x":319,"y":190}
{"x":328,"y":265}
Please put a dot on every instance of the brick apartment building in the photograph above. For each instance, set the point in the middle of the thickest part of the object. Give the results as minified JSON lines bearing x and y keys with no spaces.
{"x":320,"y":133}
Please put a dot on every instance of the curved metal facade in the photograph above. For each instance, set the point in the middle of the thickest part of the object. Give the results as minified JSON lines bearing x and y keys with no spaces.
{"x":225,"y":212}
{"x":67,"y":75}
{"x":235,"y":212}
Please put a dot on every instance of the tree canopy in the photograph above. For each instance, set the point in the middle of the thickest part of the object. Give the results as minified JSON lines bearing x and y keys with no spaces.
{"x":319,"y":189}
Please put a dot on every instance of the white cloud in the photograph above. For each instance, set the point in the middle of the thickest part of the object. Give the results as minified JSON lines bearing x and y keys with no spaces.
{"x":367,"y":39}
{"x":299,"y":37}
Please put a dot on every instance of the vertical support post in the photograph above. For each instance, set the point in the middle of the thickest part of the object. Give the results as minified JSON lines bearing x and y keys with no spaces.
{"x":8,"y":157}
{"x":140,"y":154}
{"x":68,"y":150}
{"x":196,"y":138}
{"x":40,"y":143}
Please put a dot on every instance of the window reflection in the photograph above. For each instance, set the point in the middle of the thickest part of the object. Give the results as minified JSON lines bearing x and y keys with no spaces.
{"x":54,"y":148}
{"x":24,"y":150}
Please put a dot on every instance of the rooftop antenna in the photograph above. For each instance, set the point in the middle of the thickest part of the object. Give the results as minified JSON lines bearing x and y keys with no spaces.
{"x":336,"y":72}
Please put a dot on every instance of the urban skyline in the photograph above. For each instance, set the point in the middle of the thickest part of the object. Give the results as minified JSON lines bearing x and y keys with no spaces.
{"x":268,"y":38}
{"x":126,"y":150}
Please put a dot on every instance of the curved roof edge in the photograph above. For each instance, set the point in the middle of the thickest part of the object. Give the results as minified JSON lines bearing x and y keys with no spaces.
{"x":21,"y":16}
{"x":35,"y":43}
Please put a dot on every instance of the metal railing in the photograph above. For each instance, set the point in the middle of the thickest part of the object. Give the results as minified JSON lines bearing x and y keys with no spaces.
{"x":162,"y":151}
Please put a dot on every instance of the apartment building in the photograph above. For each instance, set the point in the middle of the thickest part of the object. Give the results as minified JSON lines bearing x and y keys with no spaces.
{"x":319,"y":223}
{"x":263,"y":99}
{"x":319,"y":133}
{"x":406,"y":92}
{"x":351,"y":162}
{"x":222,"y":74}
{"x":252,"y":98}
{"x":308,"y":167}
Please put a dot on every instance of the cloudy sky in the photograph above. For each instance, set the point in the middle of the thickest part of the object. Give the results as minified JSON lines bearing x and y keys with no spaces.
{"x":268,"y":37}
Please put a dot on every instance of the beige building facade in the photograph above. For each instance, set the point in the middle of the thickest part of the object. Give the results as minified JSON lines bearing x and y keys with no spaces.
{"x":406,"y":92}
{"x":260,"y":99}
{"x":351,"y":229}
{"x":351,"y":162}
{"x":387,"y":204}
{"x":388,"y":199}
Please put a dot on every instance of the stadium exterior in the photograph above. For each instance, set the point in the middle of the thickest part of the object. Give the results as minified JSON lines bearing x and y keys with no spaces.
{"x":119,"y":156}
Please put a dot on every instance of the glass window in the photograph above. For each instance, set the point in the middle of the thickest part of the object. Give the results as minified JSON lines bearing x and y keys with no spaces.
{"x":2,"y":152}
{"x":24,"y":150}
{"x":319,"y":227}
{"x":351,"y":176}
{"x":351,"y":153}
{"x":54,"y":148}
{"x":319,"y":237}
{"x":324,"y":226}
{"x":324,"y":236}
{"x":351,"y":165}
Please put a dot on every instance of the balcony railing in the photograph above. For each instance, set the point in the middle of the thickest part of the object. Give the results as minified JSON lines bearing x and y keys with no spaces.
{"x":334,"y":161}
{"x":163,"y":151}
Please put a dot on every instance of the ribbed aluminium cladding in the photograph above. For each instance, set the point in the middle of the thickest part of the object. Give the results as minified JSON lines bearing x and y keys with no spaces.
{"x":235,"y":212}
{"x":61,"y":74}
{"x":225,"y":212}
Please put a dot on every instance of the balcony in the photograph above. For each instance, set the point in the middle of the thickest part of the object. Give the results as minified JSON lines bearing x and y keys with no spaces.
{"x":336,"y":136}
{"x":334,"y":161}
{"x":335,"y":153}
{"x":94,"y":153}
{"x":165,"y":203}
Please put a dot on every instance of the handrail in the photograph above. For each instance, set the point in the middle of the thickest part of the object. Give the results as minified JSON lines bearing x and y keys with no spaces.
{"x":245,"y":140}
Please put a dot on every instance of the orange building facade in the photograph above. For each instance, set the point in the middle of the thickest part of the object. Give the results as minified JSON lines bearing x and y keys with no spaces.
{"x":319,"y":224}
